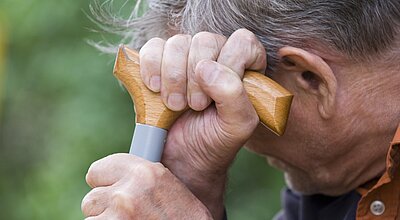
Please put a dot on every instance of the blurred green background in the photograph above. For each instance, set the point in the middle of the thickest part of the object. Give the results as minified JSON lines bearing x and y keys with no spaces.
{"x":61,"y":109}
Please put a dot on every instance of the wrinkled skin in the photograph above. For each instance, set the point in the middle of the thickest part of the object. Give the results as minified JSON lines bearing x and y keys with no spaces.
{"x":204,"y":141}
{"x":323,"y":150}
{"x":132,"y":193}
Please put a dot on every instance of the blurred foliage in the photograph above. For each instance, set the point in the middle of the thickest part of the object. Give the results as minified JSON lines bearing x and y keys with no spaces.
{"x":63,"y":109}
{"x":3,"y":36}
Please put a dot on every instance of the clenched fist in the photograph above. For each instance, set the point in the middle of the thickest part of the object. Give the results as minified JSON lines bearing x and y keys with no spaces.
{"x":128,"y":187}
{"x":203,"y":72}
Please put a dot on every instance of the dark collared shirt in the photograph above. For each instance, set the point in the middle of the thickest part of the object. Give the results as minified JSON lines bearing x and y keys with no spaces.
{"x":380,"y":200}
{"x":315,"y":207}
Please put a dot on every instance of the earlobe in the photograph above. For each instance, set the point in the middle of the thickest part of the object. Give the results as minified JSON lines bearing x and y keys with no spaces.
{"x":314,"y":76}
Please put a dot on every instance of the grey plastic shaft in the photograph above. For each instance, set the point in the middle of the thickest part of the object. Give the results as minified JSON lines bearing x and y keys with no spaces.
{"x":148,"y":142}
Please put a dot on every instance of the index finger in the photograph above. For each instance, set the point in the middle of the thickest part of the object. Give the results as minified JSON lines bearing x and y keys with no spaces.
{"x":243,"y":51}
{"x":108,"y":170}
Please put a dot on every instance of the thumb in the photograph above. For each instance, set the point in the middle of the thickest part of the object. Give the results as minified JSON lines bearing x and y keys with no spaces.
{"x":236,"y":115}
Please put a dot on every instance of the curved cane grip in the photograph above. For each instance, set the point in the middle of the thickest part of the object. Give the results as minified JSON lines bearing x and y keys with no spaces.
{"x":270,"y":100}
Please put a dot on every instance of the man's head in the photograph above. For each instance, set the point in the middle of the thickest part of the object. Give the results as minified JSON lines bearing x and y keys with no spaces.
{"x":339,"y":59}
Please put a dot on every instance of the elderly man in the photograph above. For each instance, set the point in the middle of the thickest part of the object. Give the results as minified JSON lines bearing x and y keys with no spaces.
{"x":339,"y":58}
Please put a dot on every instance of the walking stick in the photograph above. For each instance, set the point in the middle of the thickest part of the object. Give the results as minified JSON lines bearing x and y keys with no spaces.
{"x":153,"y":119}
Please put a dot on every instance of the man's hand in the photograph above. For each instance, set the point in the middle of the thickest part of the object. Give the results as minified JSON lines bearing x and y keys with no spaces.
{"x":202,"y":143}
{"x":194,"y":71}
{"x":128,"y":187}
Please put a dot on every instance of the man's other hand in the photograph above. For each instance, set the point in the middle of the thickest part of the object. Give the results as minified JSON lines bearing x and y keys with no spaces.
{"x":127,"y":187}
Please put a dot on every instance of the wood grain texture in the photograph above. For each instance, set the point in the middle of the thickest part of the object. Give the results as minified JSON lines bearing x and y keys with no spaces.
{"x":270,"y":100}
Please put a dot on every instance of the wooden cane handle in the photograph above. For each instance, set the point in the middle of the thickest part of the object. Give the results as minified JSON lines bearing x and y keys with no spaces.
{"x":270,"y":100}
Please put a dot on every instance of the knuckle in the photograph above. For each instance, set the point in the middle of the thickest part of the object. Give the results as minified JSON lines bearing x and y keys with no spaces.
{"x":179,"y":42}
{"x":243,"y":31}
{"x":91,"y":173}
{"x":145,"y":171}
{"x":259,"y":51}
{"x":89,"y":201}
{"x":261,"y":55}
{"x":156,"y":40}
{"x":207,"y":40}
{"x":150,"y":44}
{"x":246,"y":33}
{"x":175,"y":76}
{"x":159,"y":169}
{"x":202,"y":38}
{"x":126,"y":205}
{"x":247,"y":37}
{"x":97,"y":168}
{"x":252,"y":49}
{"x":178,"y":45}
{"x":116,"y":157}
{"x":121,"y":198}
{"x":202,"y":35}
{"x":235,"y":91}
{"x":179,"y":37}
{"x":85,"y":204}
{"x":149,"y":172}
{"x":142,"y":168}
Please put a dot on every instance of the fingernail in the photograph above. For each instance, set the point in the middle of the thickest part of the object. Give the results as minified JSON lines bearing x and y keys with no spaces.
{"x":155,"y":83}
{"x":198,"y":101}
{"x":176,"y":101}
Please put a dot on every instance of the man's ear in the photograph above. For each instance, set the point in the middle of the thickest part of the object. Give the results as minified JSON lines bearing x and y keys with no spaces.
{"x":313,"y":76}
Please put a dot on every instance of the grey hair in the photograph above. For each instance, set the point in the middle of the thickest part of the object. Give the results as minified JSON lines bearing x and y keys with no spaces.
{"x":357,"y":29}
